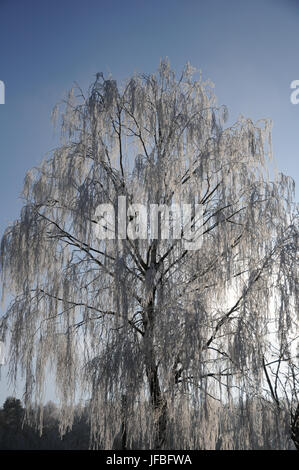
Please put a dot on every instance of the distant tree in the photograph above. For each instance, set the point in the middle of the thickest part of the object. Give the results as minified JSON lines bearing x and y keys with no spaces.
{"x":11,"y":421}
{"x":175,"y":330}
{"x":13,"y":412}
{"x":15,"y":434}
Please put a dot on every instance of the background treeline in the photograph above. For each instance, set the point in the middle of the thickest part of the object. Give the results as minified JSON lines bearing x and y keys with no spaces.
{"x":17,"y":435}
{"x":249,"y":426}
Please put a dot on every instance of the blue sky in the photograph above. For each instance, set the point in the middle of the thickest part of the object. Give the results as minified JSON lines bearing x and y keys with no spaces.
{"x":248,"y":49}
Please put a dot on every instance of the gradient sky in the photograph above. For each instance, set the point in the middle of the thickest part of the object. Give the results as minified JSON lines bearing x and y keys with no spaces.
{"x":248,"y":49}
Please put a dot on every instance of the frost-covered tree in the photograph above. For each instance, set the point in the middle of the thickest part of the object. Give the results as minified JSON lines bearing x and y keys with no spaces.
{"x":175,"y":334}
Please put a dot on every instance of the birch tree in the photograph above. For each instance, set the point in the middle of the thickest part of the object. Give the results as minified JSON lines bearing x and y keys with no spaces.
{"x":173,"y":332}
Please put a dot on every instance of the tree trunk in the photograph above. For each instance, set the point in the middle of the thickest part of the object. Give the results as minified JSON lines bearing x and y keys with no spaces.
{"x":159,"y":407}
{"x":124,"y":422}
{"x":158,"y":401}
{"x":295,"y":428}
{"x":120,"y":441}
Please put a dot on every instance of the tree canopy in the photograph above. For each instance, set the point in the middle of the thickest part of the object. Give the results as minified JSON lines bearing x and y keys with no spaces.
{"x":176,"y":333}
